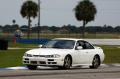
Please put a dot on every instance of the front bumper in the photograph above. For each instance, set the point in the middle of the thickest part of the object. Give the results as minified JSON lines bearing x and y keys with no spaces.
{"x":42,"y":61}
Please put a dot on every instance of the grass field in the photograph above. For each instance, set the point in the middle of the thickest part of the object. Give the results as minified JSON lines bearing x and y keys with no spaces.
{"x":11,"y":58}
{"x":21,"y":45}
{"x":112,"y":54}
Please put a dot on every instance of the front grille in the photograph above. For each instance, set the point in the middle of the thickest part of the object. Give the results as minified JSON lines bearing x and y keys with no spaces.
{"x":33,"y":62}
{"x":50,"y":59}
{"x":45,"y":56}
{"x":41,"y":55}
{"x":52,"y":62}
{"x":35,"y":55}
{"x":38,"y":55}
{"x":42,"y":62}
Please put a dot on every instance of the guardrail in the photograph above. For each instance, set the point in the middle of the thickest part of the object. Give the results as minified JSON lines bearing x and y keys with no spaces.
{"x":92,"y":41}
{"x":32,"y":41}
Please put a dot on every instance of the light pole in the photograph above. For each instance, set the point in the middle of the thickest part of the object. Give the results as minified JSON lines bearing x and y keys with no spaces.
{"x":39,"y":19}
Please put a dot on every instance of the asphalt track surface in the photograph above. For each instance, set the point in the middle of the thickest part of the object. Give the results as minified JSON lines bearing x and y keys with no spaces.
{"x":54,"y":73}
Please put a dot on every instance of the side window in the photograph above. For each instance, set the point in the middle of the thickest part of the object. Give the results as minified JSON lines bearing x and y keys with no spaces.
{"x":80,"y":43}
{"x":88,"y":45}
{"x":84,"y":44}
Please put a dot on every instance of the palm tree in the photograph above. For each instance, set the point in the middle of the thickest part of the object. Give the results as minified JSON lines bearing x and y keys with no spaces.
{"x":85,"y":11}
{"x":29,"y":9}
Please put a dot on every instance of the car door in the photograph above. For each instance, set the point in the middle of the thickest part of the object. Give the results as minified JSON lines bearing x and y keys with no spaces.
{"x":84,"y":55}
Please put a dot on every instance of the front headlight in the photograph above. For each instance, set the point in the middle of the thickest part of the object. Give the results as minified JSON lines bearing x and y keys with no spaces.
{"x":56,"y":56}
{"x":27,"y":55}
{"x":53,"y":56}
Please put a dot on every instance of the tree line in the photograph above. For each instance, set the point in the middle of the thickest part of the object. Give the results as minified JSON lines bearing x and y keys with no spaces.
{"x":65,"y":29}
{"x":85,"y":11}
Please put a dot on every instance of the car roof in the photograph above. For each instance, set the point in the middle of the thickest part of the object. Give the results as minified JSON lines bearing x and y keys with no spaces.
{"x":75,"y":39}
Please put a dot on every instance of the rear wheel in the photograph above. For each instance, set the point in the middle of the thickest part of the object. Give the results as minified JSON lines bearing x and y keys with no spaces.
{"x":31,"y":67}
{"x":95,"y":63}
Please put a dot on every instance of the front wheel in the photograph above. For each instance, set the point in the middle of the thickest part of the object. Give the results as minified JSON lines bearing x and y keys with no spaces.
{"x":67,"y":62}
{"x":95,"y":62}
{"x":31,"y":67}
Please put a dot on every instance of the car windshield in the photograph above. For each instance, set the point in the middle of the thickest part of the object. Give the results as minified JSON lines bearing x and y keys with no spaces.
{"x":60,"y":44}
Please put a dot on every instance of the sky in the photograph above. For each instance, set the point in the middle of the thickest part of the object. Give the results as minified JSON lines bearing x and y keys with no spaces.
{"x":60,"y":12}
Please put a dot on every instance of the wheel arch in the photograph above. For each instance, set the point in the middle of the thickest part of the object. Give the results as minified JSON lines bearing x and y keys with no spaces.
{"x":70,"y":58}
{"x":95,"y":66}
{"x":98,"y":57}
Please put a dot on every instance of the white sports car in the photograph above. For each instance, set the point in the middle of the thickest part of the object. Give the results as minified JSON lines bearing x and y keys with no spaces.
{"x":64,"y":53}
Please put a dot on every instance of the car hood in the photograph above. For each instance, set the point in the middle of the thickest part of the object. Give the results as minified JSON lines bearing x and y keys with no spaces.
{"x":48,"y":51}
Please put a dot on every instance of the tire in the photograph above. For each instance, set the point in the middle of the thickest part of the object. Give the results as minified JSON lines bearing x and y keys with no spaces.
{"x":31,"y":67}
{"x":67,"y":62}
{"x":95,"y":62}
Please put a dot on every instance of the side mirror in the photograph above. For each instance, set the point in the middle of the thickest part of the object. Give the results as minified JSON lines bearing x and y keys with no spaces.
{"x":79,"y":47}
{"x":40,"y":46}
